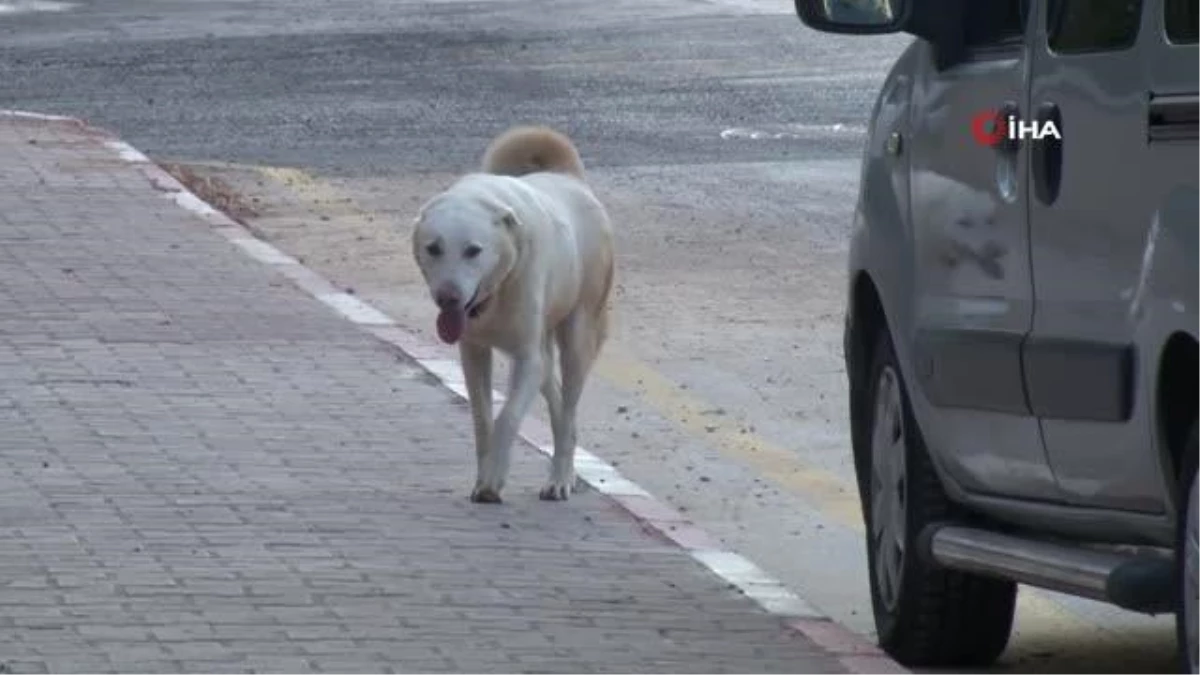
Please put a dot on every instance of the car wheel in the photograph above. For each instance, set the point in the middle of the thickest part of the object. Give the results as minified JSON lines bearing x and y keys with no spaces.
{"x":924,"y":615}
{"x":1187,"y":556}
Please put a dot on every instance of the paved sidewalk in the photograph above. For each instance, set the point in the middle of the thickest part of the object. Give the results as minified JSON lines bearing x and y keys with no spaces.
{"x":204,"y":469}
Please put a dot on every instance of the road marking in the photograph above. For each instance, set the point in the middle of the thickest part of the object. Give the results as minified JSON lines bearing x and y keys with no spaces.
{"x":21,"y":114}
{"x":792,"y":132}
{"x":27,"y":6}
{"x":1038,"y":614}
{"x":768,"y":7}
{"x":822,"y":488}
{"x":353,"y":309}
{"x":293,"y":178}
{"x":264,"y":254}
{"x":126,"y":151}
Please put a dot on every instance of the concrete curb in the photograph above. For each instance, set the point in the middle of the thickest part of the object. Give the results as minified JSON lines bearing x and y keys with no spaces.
{"x":853,"y":651}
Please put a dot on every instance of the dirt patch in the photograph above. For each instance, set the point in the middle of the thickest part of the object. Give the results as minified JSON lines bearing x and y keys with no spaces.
{"x":219,"y":194}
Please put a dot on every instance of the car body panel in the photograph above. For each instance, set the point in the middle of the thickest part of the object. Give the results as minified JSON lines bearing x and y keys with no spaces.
{"x":973,"y":297}
{"x":956,"y":311}
{"x":1088,"y":249}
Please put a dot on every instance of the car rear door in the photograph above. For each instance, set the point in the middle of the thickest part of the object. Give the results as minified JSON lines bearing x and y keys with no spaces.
{"x":1093,"y":199}
{"x":1168,"y":289}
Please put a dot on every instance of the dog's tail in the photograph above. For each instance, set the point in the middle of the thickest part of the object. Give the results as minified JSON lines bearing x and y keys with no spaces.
{"x":523,"y":150}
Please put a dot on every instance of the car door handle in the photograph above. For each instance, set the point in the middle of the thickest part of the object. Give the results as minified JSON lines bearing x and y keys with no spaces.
{"x":1173,"y":117}
{"x":1007,"y":144}
{"x":1046,"y":155}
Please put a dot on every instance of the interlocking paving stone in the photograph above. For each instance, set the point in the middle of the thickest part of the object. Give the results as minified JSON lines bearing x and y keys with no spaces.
{"x":203,"y":469}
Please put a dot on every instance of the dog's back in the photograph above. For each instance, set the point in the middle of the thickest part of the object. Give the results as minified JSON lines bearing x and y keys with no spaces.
{"x":524,"y":150}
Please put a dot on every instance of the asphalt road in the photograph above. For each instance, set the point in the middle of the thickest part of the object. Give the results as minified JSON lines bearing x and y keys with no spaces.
{"x":368,"y":87}
{"x":722,"y":134}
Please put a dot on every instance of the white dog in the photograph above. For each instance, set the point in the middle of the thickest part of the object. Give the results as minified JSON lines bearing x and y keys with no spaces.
{"x":519,"y":258}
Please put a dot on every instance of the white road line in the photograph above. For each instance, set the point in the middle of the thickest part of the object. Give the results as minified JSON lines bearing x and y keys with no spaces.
{"x":263,"y":252}
{"x":21,"y":114}
{"x":773,"y":7}
{"x":792,"y":132}
{"x":349,"y":306}
{"x":28,"y":6}
{"x":127,"y":151}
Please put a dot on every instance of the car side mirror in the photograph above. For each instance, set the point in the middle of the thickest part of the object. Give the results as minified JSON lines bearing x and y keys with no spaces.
{"x":862,"y":17}
{"x":940,"y":22}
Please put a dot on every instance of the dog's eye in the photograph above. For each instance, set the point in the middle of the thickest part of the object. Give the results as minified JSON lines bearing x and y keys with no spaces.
{"x":433,"y":249}
{"x":472,"y":250}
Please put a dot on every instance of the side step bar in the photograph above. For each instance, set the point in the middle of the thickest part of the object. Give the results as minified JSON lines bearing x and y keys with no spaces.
{"x":1138,"y":582}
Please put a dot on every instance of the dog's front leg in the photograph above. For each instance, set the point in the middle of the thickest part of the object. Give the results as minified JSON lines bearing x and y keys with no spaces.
{"x":477,"y":371}
{"x":523,"y":388}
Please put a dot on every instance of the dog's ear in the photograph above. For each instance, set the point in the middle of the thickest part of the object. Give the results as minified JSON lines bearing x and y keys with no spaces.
{"x":507,"y":219}
{"x":420,"y":216}
{"x":426,"y":206}
{"x":414,"y":228}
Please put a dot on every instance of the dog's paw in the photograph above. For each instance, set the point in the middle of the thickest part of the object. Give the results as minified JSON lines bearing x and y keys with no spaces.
{"x":485,"y":495}
{"x":556,"y":491}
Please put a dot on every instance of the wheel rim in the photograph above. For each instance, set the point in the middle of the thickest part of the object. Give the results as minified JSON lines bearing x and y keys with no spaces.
{"x":888,"y":487}
{"x":1191,"y":558}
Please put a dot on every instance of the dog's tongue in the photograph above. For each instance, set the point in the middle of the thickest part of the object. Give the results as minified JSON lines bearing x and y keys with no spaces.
{"x":450,"y":325}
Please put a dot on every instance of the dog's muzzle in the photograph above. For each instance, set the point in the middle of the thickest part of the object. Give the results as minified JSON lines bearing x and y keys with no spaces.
{"x":475,"y":306}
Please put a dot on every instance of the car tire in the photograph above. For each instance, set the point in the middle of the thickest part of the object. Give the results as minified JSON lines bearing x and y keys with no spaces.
{"x":925,"y":615}
{"x":1186,"y":559}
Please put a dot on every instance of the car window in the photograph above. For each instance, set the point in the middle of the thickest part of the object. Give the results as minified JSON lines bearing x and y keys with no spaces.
{"x":992,"y":22}
{"x":1180,"y":18}
{"x":1092,"y":25}
{"x":994,"y":25}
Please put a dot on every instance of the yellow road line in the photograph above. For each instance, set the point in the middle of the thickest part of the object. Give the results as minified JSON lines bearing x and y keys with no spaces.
{"x":1040,"y":619}
{"x":304,"y":184}
{"x":1037,"y":615}
{"x":823,"y":489}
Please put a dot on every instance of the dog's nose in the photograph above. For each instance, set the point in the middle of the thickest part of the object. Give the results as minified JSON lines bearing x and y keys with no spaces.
{"x":448,"y":297}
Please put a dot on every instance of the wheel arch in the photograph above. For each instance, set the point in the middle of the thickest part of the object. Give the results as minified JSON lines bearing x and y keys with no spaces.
{"x":865,"y":319}
{"x":1177,"y":397}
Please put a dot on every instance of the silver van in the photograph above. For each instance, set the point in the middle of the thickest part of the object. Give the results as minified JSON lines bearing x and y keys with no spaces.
{"x":1021,"y":324}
